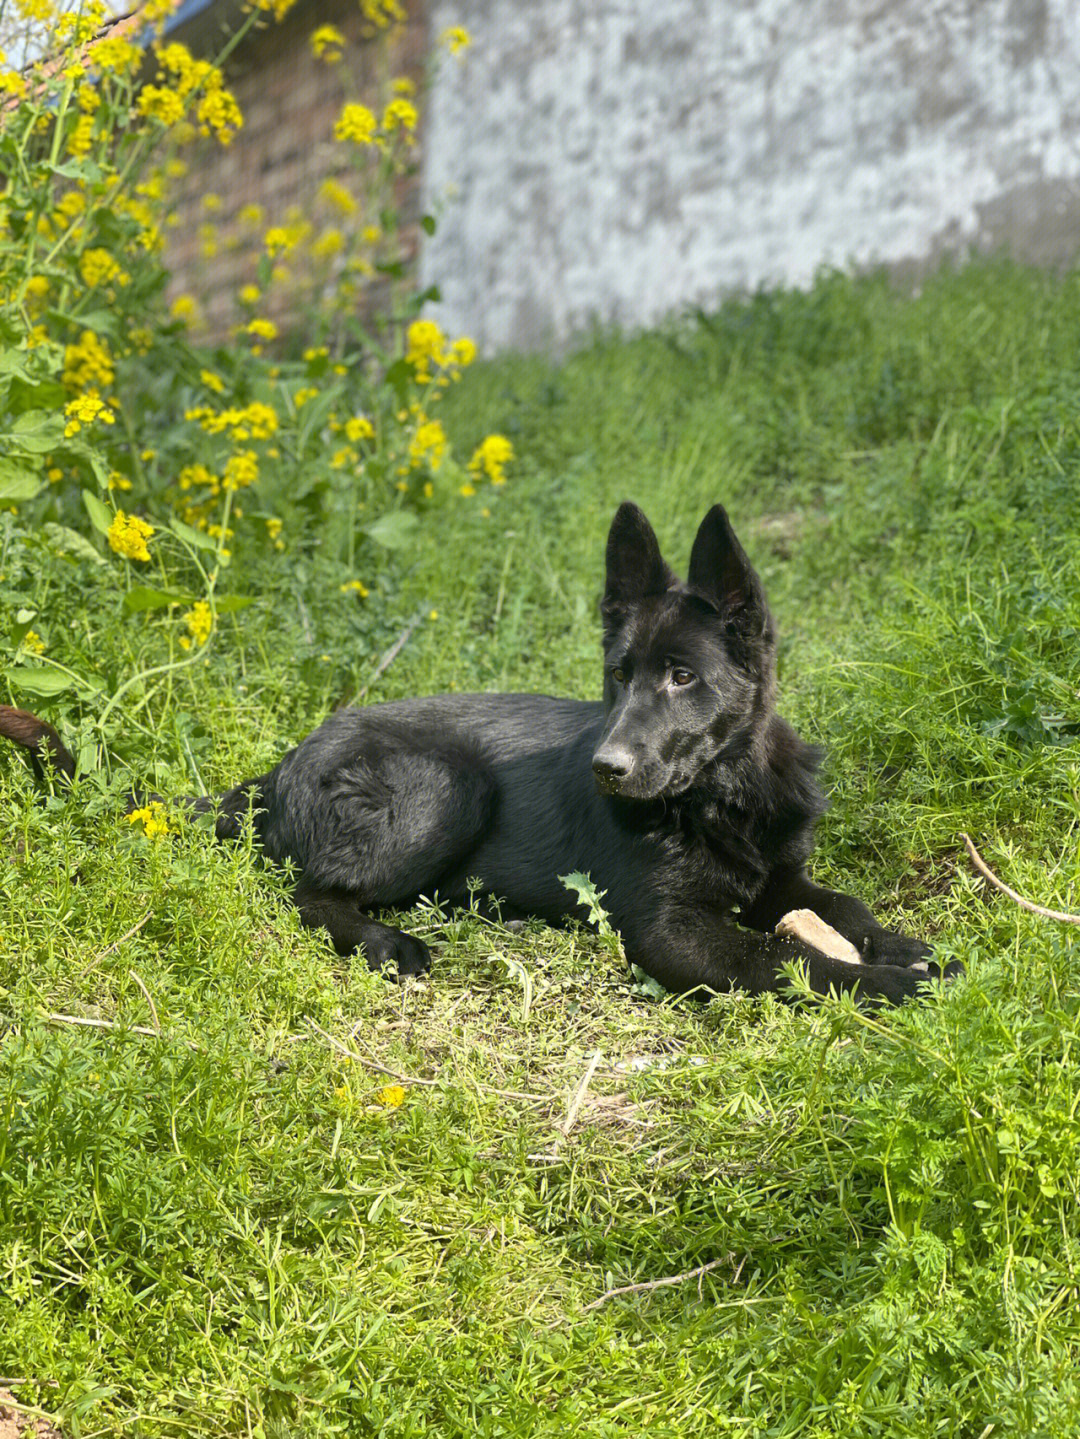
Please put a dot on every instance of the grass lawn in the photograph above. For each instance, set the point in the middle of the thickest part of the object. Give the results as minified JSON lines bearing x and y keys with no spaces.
{"x":225,"y":1223}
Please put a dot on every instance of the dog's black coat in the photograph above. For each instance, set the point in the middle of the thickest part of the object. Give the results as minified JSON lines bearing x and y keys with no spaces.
{"x":685,"y":797}
{"x":688,"y":801}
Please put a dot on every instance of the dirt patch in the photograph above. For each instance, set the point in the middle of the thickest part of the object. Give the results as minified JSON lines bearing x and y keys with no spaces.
{"x":17,"y":1423}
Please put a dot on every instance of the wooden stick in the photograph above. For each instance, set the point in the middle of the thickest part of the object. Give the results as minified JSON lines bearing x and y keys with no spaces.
{"x":392,"y":653}
{"x":407,"y":1079}
{"x":150,"y":1002}
{"x":987,"y":873}
{"x":579,"y":1094}
{"x":697,"y":1273}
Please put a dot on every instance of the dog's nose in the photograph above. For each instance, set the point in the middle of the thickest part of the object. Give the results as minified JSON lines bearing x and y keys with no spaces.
{"x":610,"y":766}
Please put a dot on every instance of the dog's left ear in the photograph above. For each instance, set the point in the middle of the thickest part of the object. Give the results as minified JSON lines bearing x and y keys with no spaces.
{"x":722,"y":574}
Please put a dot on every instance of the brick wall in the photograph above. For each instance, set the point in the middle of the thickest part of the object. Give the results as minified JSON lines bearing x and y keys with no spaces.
{"x":290,"y":101}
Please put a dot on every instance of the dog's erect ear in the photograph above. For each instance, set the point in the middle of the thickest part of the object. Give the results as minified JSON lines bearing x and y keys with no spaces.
{"x":721,"y":572}
{"x":635,"y":566}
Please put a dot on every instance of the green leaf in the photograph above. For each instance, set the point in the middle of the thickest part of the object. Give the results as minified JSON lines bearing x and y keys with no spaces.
{"x":37,"y":431}
{"x":66,"y":541}
{"x":192,"y":536}
{"x":17,"y":482}
{"x":36,"y":680}
{"x":228,"y":604}
{"x":314,"y":414}
{"x":141,"y":597}
{"x":101,"y":517}
{"x":78,"y":170}
{"x":428,"y":224}
{"x":393,"y":531}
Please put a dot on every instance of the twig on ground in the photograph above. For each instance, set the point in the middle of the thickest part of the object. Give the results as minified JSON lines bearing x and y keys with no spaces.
{"x":579,"y":1094}
{"x":407,"y":1079}
{"x":109,"y":949}
{"x":391,"y":654}
{"x":697,"y":1273}
{"x":103,"y":1024}
{"x":85,"y":1022}
{"x":987,"y":873}
{"x":149,"y":1000}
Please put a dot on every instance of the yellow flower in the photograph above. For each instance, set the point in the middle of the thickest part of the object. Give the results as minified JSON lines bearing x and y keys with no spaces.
{"x":456,"y":39}
{"x":82,"y":136}
{"x":327,"y":43}
{"x":336,"y":195}
{"x":219,"y":114}
{"x":463,"y":351}
{"x":467,"y":490}
{"x":305,"y":393}
{"x":33,"y":643}
{"x":330,"y":242}
{"x":88,"y":363}
{"x":116,"y":56}
{"x":128,"y":535}
{"x":391,"y":1095}
{"x":200,"y":621}
{"x":428,"y":445}
{"x":84,"y":410}
{"x":250,"y":295}
{"x":400,"y":115}
{"x":152,"y":818}
{"x":355,"y":587}
{"x":425,"y":344}
{"x":212,"y":381}
{"x":491,"y":458}
{"x":241,"y":470}
{"x":276,"y":240}
{"x":274,"y":527}
{"x":359,"y":428}
{"x":251,"y":215}
{"x":262,"y":329}
{"x":184,"y":308}
{"x":403,"y":86}
{"x":356,"y":123}
{"x":158,"y":102}
{"x":98,"y":267}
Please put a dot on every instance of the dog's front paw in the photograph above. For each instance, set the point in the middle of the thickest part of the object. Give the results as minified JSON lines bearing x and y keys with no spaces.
{"x":886,"y":946}
{"x":389,"y":949}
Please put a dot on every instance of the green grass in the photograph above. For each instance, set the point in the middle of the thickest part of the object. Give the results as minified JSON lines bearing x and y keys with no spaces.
{"x":223,"y":1230}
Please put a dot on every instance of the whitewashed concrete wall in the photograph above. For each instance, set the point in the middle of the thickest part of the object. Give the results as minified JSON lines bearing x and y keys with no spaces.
{"x":620,"y":159}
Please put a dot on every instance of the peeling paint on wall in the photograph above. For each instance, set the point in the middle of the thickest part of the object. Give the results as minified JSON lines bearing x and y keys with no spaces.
{"x":617,"y":160}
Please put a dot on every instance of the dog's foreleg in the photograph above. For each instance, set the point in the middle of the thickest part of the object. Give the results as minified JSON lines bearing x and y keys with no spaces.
{"x":351,"y":930}
{"x":692,"y":951}
{"x":786,"y":890}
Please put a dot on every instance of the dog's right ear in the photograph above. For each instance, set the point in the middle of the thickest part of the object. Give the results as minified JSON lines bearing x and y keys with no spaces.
{"x":635,"y":566}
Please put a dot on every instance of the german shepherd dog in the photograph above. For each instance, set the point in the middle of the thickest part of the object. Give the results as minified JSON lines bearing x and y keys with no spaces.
{"x":685,"y":797}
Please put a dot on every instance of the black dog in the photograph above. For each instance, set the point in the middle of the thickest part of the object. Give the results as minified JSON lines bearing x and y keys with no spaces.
{"x":688,"y":801}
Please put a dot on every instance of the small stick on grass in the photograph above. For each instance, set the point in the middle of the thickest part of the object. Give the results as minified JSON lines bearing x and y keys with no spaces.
{"x":697,"y":1273}
{"x":988,"y":874}
{"x":391,"y":654}
{"x":407,"y":1079}
{"x":149,"y":1000}
{"x":579,"y":1094}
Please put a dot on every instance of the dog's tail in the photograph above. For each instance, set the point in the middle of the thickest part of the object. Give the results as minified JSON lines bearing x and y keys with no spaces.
{"x":46,"y":748}
{"x":39,"y":737}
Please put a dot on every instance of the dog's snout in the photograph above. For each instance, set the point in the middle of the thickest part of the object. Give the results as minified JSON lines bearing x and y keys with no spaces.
{"x":612,"y":766}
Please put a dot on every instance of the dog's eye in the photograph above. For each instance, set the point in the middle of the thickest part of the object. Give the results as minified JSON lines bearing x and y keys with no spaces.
{"x":682,"y":677}
{"x":618,"y":674}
